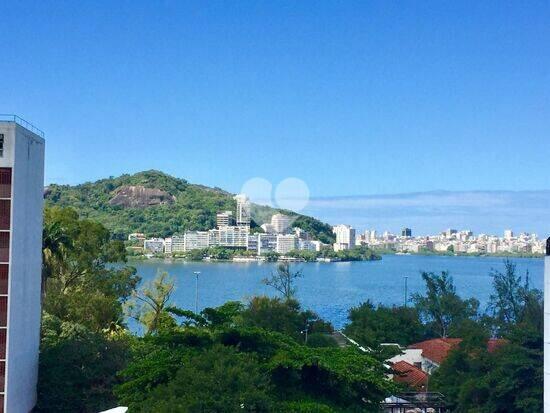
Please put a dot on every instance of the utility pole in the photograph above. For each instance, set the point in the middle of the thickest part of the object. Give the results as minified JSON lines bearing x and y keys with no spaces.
{"x":305,"y":332}
{"x":406,"y":296}
{"x":197,"y":273}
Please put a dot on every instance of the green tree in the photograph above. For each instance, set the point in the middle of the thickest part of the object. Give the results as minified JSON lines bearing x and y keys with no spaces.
{"x":514,"y":301}
{"x":442,"y":308}
{"x":82,"y":285}
{"x":283,"y":280}
{"x":285,"y":317}
{"x":219,"y":379}
{"x":78,"y":368}
{"x":149,"y":304}
{"x":370,"y":325}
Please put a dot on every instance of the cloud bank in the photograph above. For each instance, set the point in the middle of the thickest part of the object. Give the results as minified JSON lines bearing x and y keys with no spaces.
{"x":432,"y":212}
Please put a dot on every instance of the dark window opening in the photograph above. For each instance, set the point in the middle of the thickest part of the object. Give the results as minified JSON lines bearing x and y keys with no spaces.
{"x":4,"y":246}
{"x":5,"y":182}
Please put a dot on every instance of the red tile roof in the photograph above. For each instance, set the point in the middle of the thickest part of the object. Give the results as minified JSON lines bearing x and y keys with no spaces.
{"x":438,"y":349}
{"x":409,"y":374}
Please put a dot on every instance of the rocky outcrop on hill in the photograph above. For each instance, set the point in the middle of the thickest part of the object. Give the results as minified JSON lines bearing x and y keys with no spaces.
{"x":140,"y":197}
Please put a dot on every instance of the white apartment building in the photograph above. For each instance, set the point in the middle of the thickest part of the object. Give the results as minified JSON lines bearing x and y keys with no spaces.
{"x":178,"y":244}
{"x":168,"y":245}
{"x":243,"y":210}
{"x":286,"y":243}
{"x":306,"y":245}
{"x":345,"y":237}
{"x":21,"y":204}
{"x":224,"y":219}
{"x":154,"y":245}
{"x":136,"y":236}
{"x":193,"y":240}
{"x":229,"y":236}
{"x":281,"y":223}
{"x":266,"y":243}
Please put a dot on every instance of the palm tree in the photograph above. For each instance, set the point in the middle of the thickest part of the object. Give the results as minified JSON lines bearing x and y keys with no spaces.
{"x":55,"y":243}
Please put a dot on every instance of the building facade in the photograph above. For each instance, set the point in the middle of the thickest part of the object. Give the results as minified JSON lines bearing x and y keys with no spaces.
{"x":21,"y":208}
{"x":345,"y":237}
{"x":243,"y":210}
{"x":286,"y":243}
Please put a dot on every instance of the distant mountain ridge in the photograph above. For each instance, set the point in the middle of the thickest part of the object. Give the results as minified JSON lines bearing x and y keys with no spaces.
{"x":158,"y":204}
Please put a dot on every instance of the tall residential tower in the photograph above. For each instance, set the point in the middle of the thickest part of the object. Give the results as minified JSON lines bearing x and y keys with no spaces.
{"x":21,"y":203}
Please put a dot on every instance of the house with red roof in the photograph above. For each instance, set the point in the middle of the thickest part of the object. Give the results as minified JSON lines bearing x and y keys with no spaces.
{"x":410,"y":374}
{"x":426,"y":357}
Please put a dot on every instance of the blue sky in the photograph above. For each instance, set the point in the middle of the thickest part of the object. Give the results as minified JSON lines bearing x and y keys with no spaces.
{"x":354,"y":98}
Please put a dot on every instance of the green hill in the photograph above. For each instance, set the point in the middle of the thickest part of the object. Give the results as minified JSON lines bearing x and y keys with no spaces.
{"x":158,"y":204}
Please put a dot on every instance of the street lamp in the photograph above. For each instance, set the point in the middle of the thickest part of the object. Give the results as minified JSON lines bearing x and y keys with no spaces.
{"x":406,"y":292}
{"x":305,"y":332}
{"x":197,"y":273}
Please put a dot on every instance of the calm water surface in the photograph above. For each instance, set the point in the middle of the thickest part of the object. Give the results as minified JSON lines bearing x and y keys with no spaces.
{"x":331,"y":289}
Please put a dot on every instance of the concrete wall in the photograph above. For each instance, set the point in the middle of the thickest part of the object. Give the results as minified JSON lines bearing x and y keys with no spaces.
{"x":26,"y":151}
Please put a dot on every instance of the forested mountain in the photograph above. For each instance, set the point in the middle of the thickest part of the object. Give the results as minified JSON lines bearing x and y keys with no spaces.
{"x":158,"y":204}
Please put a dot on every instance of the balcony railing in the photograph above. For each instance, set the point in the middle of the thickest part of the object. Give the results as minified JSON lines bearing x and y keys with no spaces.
{"x":22,"y":122}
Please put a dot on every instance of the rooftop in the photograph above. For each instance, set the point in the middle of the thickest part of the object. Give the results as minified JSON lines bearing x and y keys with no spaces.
{"x":22,"y":122}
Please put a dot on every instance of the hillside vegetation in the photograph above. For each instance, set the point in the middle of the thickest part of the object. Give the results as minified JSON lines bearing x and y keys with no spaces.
{"x":173,"y":205}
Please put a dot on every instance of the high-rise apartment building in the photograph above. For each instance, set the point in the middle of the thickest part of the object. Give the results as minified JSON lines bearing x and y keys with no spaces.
{"x":280,"y":223}
{"x":21,"y":204}
{"x":224,"y":219}
{"x":286,"y":243}
{"x":406,"y":232}
{"x":345,"y":237}
{"x":243,"y":210}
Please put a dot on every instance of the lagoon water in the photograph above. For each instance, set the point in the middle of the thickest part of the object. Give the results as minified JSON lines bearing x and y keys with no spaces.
{"x":331,"y":289}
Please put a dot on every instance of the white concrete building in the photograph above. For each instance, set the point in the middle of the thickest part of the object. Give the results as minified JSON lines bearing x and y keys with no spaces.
{"x":306,"y":245}
{"x":229,"y":236}
{"x":224,"y":219}
{"x":193,"y":240}
{"x":286,"y":243}
{"x":267,"y":243}
{"x":508,"y":234}
{"x":168,"y":245}
{"x":178,"y":244}
{"x":345,"y":237}
{"x":243,"y":210}
{"x":21,"y":204}
{"x":136,"y":237}
{"x":154,"y":245}
{"x":281,"y":223}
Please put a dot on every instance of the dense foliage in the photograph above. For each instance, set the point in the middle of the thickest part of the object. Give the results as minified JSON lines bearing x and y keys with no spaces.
{"x":474,"y":378}
{"x":195,"y":206}
{"x":372,"y":325}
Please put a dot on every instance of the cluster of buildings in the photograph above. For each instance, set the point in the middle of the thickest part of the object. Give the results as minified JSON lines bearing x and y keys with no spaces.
{"x":233,"y":231}
{"x":452,"y":240}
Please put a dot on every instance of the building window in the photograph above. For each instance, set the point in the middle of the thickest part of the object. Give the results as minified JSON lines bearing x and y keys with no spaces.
{"x":1,"y":145}
{"x":3,"y":311}
{"x":5,"y":182}
{"x":4,"y":246}
{"x":5,"y":214}
{"x":2,"y":375}
{"x":4,"y":268}
{"x":2,"y":343}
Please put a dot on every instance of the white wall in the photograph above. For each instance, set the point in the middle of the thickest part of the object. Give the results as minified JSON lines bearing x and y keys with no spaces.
{"x":25,"y":270}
